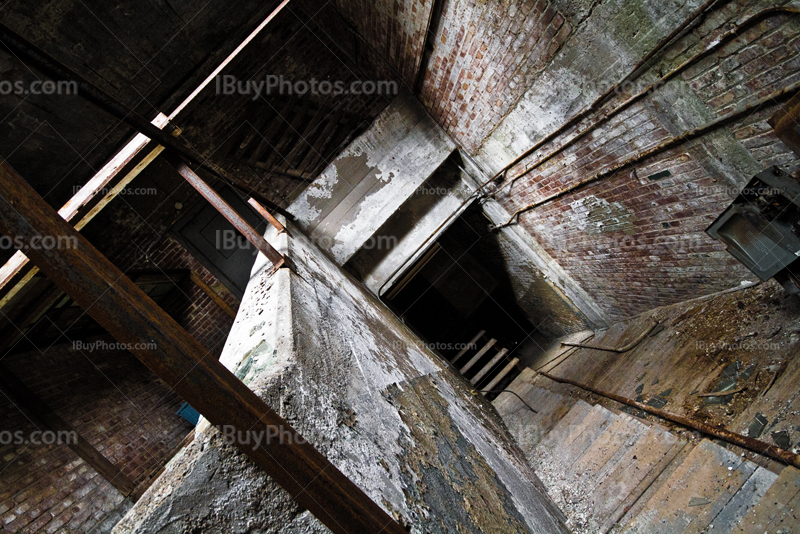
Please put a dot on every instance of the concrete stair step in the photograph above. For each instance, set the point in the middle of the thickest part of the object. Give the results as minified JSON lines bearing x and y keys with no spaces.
{"x":570,"y":445}
{"x":567,"y":424}
{"x":697,"y":491}
{"x":778,"y":511}
{"x":529,"y":428}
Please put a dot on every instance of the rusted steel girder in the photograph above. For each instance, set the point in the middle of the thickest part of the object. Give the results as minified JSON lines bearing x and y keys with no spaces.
{"x":38,"y":58}
{"x":745,"y":442}
{"x":256,"y":205}
{"x":123,"y":309}
{"x":208,"y":192}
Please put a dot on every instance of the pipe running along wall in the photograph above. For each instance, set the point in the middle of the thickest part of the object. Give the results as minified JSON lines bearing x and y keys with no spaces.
{"x":675,"y":141}
{"x":722,"y":41}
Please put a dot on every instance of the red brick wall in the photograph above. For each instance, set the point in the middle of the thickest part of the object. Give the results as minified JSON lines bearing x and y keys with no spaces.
{"x":393,"y":29}
{"x":485,"y":57}
{"x":635,"y":243}
{"x":114,"y":402}
{"x":191,"y":307}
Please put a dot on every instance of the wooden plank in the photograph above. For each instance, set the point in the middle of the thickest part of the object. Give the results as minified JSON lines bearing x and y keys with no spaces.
{"x":303,"y":143}
{"x":46,"y":419}
{"x":488,"y":367}
{"x":501,"y":375}
{"x":132,"y":317}
{"x":645,"y":487}
{"x":478,"y":356}
{"x":743,"y":502}
{"x":212,"y":294}
{"x":275,"y":126}
{"x":468,"y":345}
{"x":609,"y":447}
{"x":696,"y":491}
{"x":317,"y":149}
{"x":772,"y":506}
{"x":290,"y":134}
{"x":255,"y":134}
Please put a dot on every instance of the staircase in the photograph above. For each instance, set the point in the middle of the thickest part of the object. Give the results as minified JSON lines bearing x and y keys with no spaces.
{"x":486,"y":365}
{"x":612,"y":472}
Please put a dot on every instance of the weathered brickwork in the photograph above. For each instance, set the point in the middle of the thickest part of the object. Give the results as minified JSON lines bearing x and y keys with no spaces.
{"x":392,"y":32}
{"x":114,"y":402}
{"x":485,"y":57}
{"x":636,"y":239}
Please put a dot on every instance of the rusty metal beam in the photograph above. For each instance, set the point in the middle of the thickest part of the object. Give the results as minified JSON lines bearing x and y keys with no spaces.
{"x":51,"y":67}
{"x":45,"y":418}
{"x":267,"y":215}
{"x":258,"y":241}
{"x":132,"y":317}
{"x":745,"y":442}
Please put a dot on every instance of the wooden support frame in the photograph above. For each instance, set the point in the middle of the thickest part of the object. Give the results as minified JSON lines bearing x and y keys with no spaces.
{"x":132,"y":317}
{"x":205,"y":288}
{"x":47,"y":419}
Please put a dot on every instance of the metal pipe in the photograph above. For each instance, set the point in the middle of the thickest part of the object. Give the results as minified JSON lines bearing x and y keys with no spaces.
{"x":56,"y":70}
{"x":725,"y":39}
{"x":675,"y":141}
{"x":602,"y":98}
{"x":745,"y":442}
{"x":502,"y":174}
{"x":630,"y":346}
{"x":258,"y":241}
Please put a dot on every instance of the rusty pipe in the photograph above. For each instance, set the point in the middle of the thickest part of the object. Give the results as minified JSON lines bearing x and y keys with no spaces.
{"x":675,"y":141}
{"x":51,"y":67}
{"x":751,"y":444}
{"x":630,"y":346}
{"x":722,"y":41}
{"x":602,"y":98}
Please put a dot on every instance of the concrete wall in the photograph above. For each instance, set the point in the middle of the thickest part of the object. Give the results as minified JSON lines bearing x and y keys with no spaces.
{"x":369,"y":395}
{"x":372,"y":178}
{"x":414,"y":227}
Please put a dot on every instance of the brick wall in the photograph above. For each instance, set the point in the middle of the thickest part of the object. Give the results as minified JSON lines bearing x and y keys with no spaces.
{"x":114,"y":402}
{"x":634,"y":240}
{"x":485,"y":56}
{"x":393,"y":32}
{"x":191,"y":307}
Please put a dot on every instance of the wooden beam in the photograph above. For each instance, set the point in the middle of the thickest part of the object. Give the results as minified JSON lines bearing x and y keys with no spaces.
{"x":212,"y":294}
{"x":133,"y":318}
{"x":44,"y":418}
{"x":501,"y":375}
{"x":488,"y":367}
{"x":478,"y":356}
